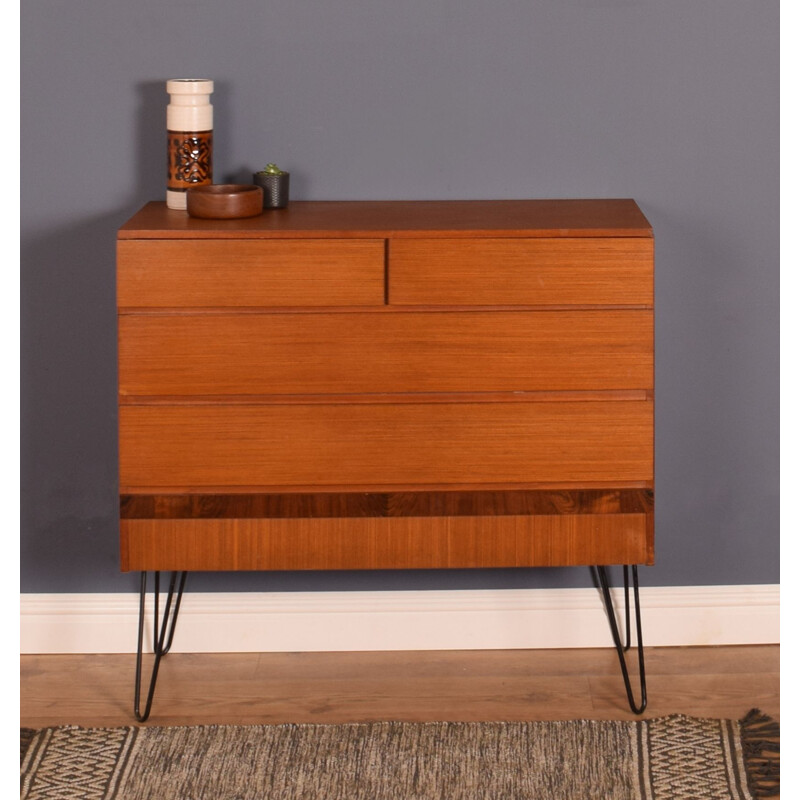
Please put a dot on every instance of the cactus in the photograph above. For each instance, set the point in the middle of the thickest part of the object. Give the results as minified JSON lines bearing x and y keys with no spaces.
{"x":271,"y":169}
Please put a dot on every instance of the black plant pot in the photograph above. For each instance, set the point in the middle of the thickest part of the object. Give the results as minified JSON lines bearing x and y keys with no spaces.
{"x":276,"y":189}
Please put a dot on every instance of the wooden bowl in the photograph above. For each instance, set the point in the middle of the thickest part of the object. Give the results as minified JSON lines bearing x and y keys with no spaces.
{"x":224,"y":201}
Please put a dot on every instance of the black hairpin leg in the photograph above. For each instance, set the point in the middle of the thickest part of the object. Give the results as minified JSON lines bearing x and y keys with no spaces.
{"x":612,"y":621}
{"x":162,"y":639}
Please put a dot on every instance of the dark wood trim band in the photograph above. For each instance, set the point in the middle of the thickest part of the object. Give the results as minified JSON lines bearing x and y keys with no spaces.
{"x":386,"y":504}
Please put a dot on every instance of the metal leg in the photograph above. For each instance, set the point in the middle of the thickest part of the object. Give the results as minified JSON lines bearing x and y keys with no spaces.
{"x":162,"y":640}
{"x":627,"y":609}
{"x":612,"y":621}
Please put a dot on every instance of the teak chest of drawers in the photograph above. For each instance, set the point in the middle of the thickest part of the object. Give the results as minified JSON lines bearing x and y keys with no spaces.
{"x":369,"y":385}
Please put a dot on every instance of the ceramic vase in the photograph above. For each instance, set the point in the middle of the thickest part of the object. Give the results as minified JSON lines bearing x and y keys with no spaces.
{"x":190,"y":144}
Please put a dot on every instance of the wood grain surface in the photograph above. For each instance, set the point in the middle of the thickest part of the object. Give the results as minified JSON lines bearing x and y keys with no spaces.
{"x":399,"y":218}
{"x":385,"y":504}
{"x":234,"y":273}
{"x":385,"y":542}
{"x":521,"y":271}
{"x":482,"y":351}
{"x":259,"y":688}
{"x":383,"y":445}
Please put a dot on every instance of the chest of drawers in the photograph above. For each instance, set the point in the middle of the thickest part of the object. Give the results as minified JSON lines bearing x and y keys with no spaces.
{"x":386,"y":385}
{"x":373,"y":385}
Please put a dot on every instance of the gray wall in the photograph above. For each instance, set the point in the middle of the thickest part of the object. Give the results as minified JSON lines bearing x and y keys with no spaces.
{"x":671,"y":102}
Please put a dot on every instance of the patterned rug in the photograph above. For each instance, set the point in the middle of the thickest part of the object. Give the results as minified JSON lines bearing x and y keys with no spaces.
{"x":669,"y":758}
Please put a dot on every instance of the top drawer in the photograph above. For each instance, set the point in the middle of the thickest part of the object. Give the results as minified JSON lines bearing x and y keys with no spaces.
{"x":238,"y":273}
{"x":585,"y":271}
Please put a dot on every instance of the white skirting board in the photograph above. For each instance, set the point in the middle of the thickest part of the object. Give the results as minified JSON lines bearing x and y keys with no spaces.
{"x":413,"y":620}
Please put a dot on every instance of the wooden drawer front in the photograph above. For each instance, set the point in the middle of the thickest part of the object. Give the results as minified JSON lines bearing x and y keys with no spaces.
{"x":408,"y":530}
{"x":385,"y":543}
{"x":222,"y":273}
{"x":384,"y":445}
{"x":521,"y":271}
{"x":259,"y":354}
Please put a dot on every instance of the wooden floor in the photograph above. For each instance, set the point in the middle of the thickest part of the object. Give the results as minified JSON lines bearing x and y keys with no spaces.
{"x":97,"y":690}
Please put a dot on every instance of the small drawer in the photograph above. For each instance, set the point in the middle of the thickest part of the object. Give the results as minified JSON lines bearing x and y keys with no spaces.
{"x":577,"y":271}
{"x":248,"y":273}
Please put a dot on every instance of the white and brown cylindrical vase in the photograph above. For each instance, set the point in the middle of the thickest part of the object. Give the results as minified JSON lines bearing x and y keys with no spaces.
{"x":190,"y":143}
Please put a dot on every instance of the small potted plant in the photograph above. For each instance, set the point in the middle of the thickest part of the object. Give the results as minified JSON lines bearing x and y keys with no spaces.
{"x":275,"y":183}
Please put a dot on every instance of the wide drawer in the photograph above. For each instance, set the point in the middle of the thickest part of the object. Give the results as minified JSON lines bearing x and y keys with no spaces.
{"x":593,"y":271}
{"x":406,"y":543}
{"x":385,"y":445}
{"x":328,"y":352}
{"x":411,"y":530}
{"x":241,"y":273}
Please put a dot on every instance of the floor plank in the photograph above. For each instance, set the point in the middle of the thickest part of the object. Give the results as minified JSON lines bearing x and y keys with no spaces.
{"x":251,"y":688}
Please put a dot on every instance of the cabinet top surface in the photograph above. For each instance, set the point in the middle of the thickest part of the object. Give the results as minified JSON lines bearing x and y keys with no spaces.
{"x":403,"y":219}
